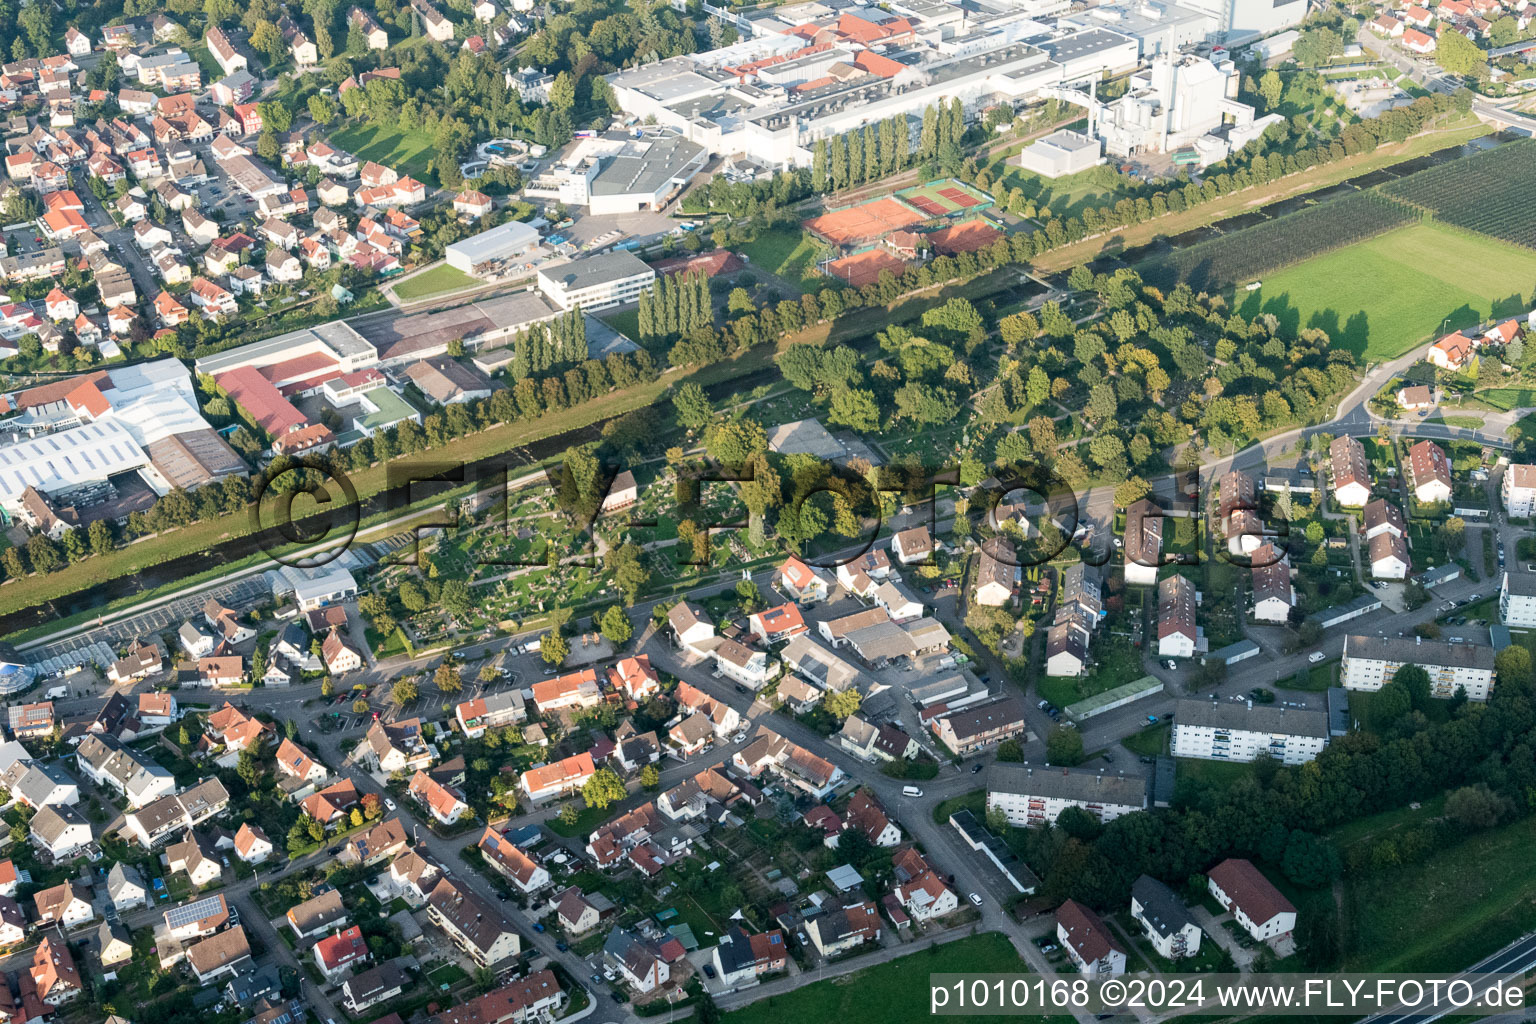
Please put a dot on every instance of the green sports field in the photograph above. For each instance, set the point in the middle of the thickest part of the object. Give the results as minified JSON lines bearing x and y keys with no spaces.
{"x":1381,"y":297}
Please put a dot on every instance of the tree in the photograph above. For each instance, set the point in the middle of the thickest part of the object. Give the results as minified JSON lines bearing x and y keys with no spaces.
{"x":629,"y":573}
{"x":1512,"y":665}
{"x":569,"y":814}
{"x":554,"y":648}
{"x":360,"y":706}
{"x":1271,"y":88}
{"x":356,"y":818}
{"x":841,"y":703}
{"x":615,"y":626}
{"x":404,"y":691}
{"x":1064,"y":746}
{"x":455,"y":599}
{"x":1415,"y":682}
{"x":1476,"y":807}
{"x":650,"y":776}
{"x":487,"y":673}
{"x":692,"y":406}
{"x":447,"y":677}
{"x":1460,"y":56}
{"x":1453,"y":534}
{"x":372,"y":806}
{"x":1310,"y":860}
{"x":249,"y":768}
{"x":603,"y":788}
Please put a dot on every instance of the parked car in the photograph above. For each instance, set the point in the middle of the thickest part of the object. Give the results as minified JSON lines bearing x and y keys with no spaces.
{"x":709,"y":971}
{"x":976,"y":898}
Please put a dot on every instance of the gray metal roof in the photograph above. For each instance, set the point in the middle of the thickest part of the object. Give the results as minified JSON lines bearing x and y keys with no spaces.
{"x":1263,"y":718}
{"x":1416,"y":651}
{"x":1081,"y":784}
{"x":1161,"y":907}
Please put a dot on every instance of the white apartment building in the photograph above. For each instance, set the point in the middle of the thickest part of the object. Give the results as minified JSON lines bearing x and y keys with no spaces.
{"x":1371,"y":661}
{"x":597,"y":282}
{"x":1517,"y":599}
{"x":1229,"y":731}
{"x":1520,"y":490}
{"x":1037,"y":794}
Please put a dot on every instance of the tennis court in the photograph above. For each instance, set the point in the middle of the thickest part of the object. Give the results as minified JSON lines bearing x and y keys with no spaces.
{"x":944,"y":197}
{"x":967,"y":236}
{"x":864,"y":268}
{"x":868,"y":222}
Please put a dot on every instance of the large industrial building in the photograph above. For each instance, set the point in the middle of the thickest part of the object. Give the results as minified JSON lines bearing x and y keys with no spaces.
{"x":104,"y":444}
{"x":493,"y":251}
{"x":621,"y":172}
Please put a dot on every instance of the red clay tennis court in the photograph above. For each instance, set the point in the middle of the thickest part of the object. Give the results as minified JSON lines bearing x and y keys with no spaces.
{"x":864,"y":268}
{"x":865,"y":223}
{"x":967,"y":237}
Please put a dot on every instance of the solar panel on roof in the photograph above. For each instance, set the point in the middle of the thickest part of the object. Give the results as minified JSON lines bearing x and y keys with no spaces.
{"x":176,"y":917}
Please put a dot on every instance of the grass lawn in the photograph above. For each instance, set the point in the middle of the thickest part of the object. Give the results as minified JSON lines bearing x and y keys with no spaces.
{"x":1505,"y":399}
{"x":896,"y":990}
{"x":975,"y":802}
{"x":447,"y":974}
{"x":1198,"y":774}
{"x":586,"y":821}
{"x":788,"y":253}
{"x":1150,"y":742}
{"x":1447,"y":912}
{"x":1439,"y":275}
{"x":406,"y":151}
{"x":1246,"y":200}
{"x":626,"y":323}
{"x":441,"y":278}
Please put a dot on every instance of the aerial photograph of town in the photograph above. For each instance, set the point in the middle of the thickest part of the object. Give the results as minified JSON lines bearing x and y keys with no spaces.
{"x":766,"y":511}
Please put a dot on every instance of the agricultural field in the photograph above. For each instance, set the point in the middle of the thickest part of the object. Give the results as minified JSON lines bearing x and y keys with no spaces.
{"x":1439,"y":276}
{"x":1492,"y":193}
{"x":1252,"y":252}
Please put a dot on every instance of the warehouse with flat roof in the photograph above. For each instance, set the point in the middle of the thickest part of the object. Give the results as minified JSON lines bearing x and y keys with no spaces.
{"x":492,"y":250}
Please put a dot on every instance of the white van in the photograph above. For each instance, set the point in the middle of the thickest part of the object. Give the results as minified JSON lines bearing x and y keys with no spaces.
{"x":1316,"y":656}
{"x":911,"y":791}
{"x":57,"y":693}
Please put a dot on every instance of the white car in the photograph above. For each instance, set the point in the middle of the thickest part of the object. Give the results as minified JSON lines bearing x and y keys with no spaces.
{"x":976,"y":898}
{"x":389,"y":804}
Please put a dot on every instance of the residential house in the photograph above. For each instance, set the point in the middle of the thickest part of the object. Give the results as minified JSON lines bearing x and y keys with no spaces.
{"x":1233,"y":731}
{"x":157,"y":821}
{"x":1090,"y":945}
{"x":741,"y":957}
{"x":1143,"y":542}
{"x":1177,"y":634}
{"x":920,"y":889}
{"x":475,"y":926}
{"x":380,"y":843}
{"x":773,"y":625}
{"x":398,"y":746}
{"x":636,"y":960}
{"x":538,"y":997}
{"x":491,"y":712}
{"x":125,"y":887}
{"x":970,"y":729}
{"x":572,"y":690}
{"x":865,"y":815}
{"x":223,"y":954}
{"x":512,"y":863}
{"x":194,"y":857}
{"x":1253,"y":900}
{"x":372,"y":987}
{"x":741,"y":664}
{"x":1370,"y":662}
{"x":1167,"y":921}
{"x":252,"y":844}
{"x":995,"y":580}
{"x":52,"y":979}
{"x":60,"y":830}
{"x":635,"y":677}
{"x":445,"y":805}
{"x":336,"y":955}
{"x":1351,"y":472}
{"x":1273,"y":595}
{"x":692,"y":626}
{"x":67,"y":905}
{"x":1518,"y":490}
{"x":841,"y":929}
{"x":912,"y":546}
{"x":1429,"y":471}
{"x":412,"y":877}
{"x":557,"y":779}
{"x":802,"y":582}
